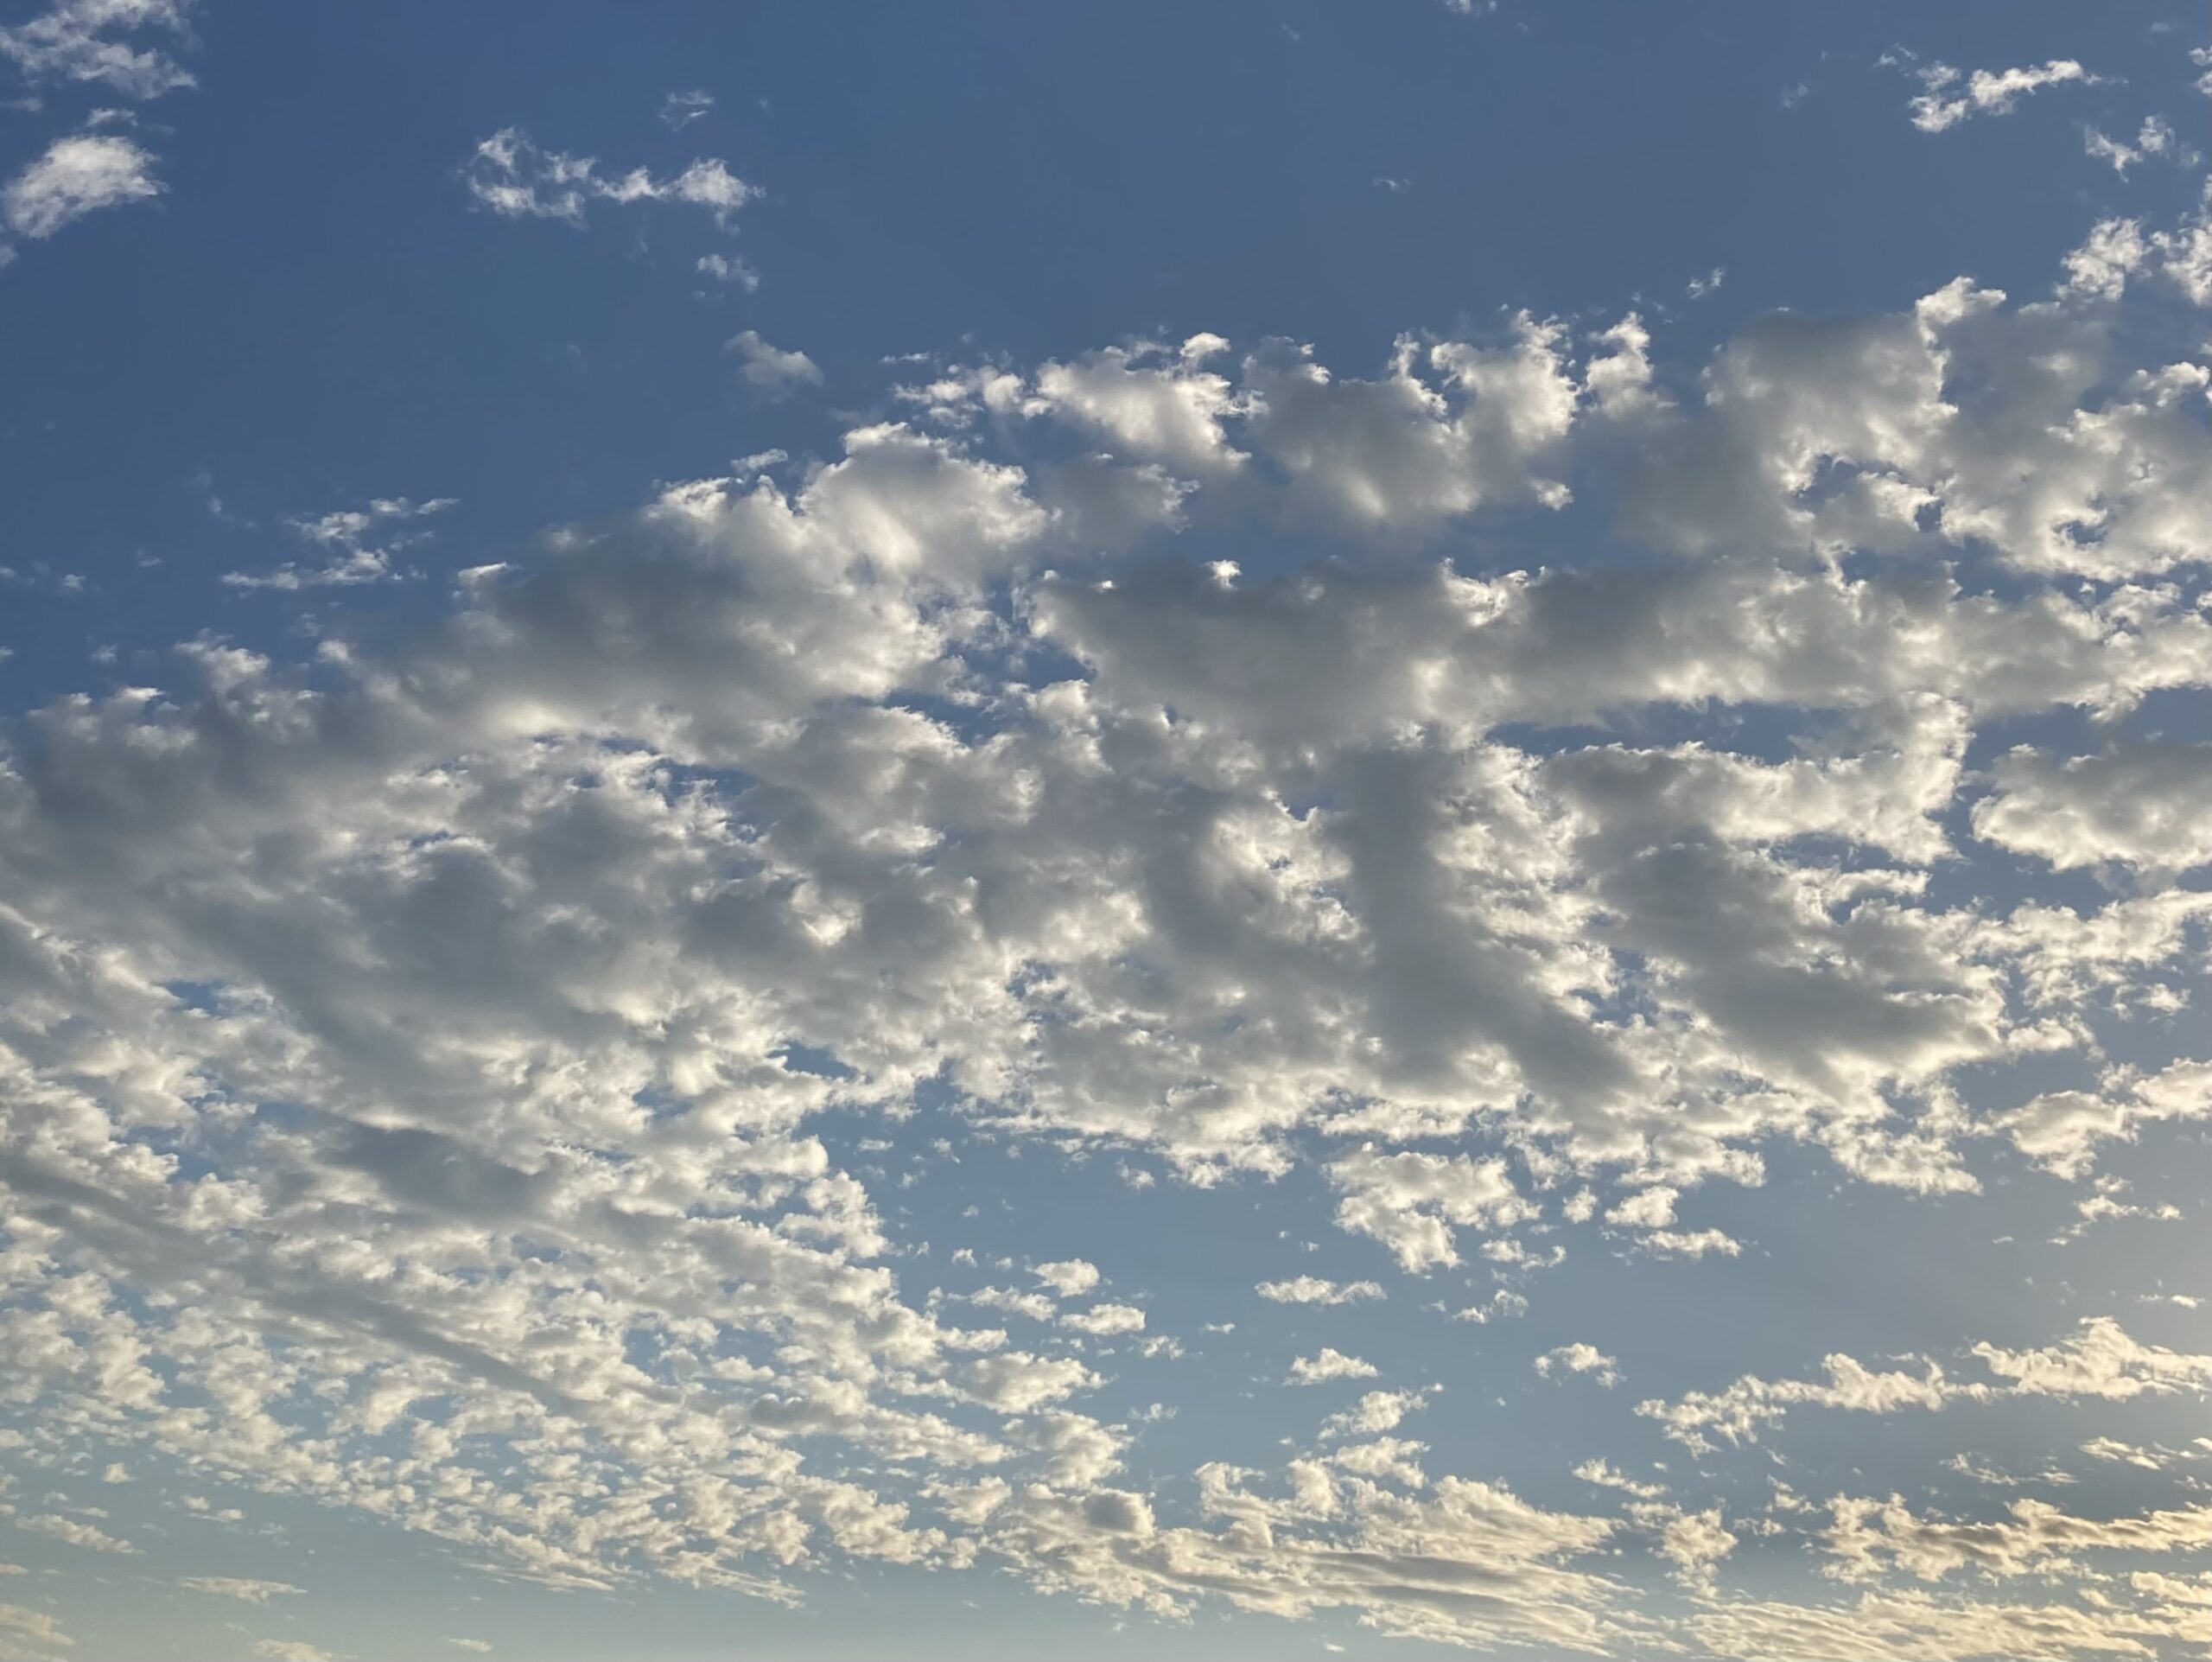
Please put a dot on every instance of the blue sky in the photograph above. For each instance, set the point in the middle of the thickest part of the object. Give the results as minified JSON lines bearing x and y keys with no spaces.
{"x":1253,"y":830}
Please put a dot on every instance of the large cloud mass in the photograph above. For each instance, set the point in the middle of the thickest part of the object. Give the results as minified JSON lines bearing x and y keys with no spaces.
{"x":414,"y":1057}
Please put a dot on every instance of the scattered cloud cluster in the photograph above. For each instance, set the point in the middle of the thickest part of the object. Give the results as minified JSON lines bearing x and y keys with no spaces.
{"x":124,"y":48}
{"x":428,"y":1056}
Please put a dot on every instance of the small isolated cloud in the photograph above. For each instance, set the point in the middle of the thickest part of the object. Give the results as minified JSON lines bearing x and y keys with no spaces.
{"x":1102,"y":1320}
{"x":1068,"y":1278}
{"x":294,"y":1650}
{"x":1606,"y":1475}
{"x":234,"y":1586}
{"x":1330,"y":1364}
{"x":680,"y":110}
{"x":1376,"y":1412}
{"x":1700,"y":287}
{"x":511,"y":175}
{"x":1313,"y":1289}
{"x":1951,"y":97}
{"x":725,"y":268}
{"x":771,"y":369}
{"x":2154,"y":137}
{"x":1579,"y":1357}
{"x":78,"y":175}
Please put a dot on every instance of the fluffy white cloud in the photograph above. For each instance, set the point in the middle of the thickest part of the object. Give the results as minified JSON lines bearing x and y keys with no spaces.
{"x":1328,"y":1364}
{"x":78,"y":175}
{"x":2061,"y":1130}
{"x":2147,"y":804}
{"x":1314,"y":1289}
{"x":1579,"y":1357}
{"x":1410,"y":1200}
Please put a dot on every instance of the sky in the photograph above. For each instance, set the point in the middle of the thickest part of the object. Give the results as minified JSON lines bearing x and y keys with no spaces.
{"x":989,"y":831}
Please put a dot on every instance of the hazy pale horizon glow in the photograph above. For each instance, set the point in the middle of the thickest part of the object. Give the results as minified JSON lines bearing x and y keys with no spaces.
{"x":1253,"y":831}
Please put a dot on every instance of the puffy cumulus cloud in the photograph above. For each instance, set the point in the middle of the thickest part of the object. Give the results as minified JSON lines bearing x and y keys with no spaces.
{"x":1409,"y":1201}
{"x":420,"y":1060}
{"x":2145,"y":804}
{"x":78,"y":175}
{"x":93,"y":41}
{"x":1578,"y":1357}
{"x":1313,"y":1289}
{"x":1963,"y":421}
{"x":1104,"y":1321}
{"x":1694,"y":1541}
{"x":2061,"y":1130}
{"x":2099,"y":1360}
{"x":1329,"y":1364}
{"x":512,"y":176}
{"x":1069,"y":1277}
{"x":1447,"y":426}
{"x":1374,"y":1412}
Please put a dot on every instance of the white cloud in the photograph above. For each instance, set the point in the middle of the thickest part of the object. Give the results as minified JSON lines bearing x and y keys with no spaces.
{"x":232,"y":1587}
{"x":1409,"y":1201}
{"x":78,"y":175}
{"x":76,"y":1532}
{"x":679,"y":110}
{"x":509,"y":175}
{"x":2145,"y":803}
{"x":771,"y":369}
{"x":294,"y":1650}
{"x":1103,"y":1321}
{"x":558,"y":925}
{"x":2154,"y":137}
{"x":1069,"y":1277}
{"x":89,"y":41}
{"x":2099,"y":1360}
{"x":1313,"y":1289}
{"x":1328,"y":1364}
{"x":1605,"y":1476}
{"x":1949,"y":101}
{"x":36,"y":1629}
{"x":344,"y":535}
{"x":1377,"y":1411}
{"x":1578,"y":1357}
{"x":2061,"y":1130}
{"x":1870,"y":1539}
